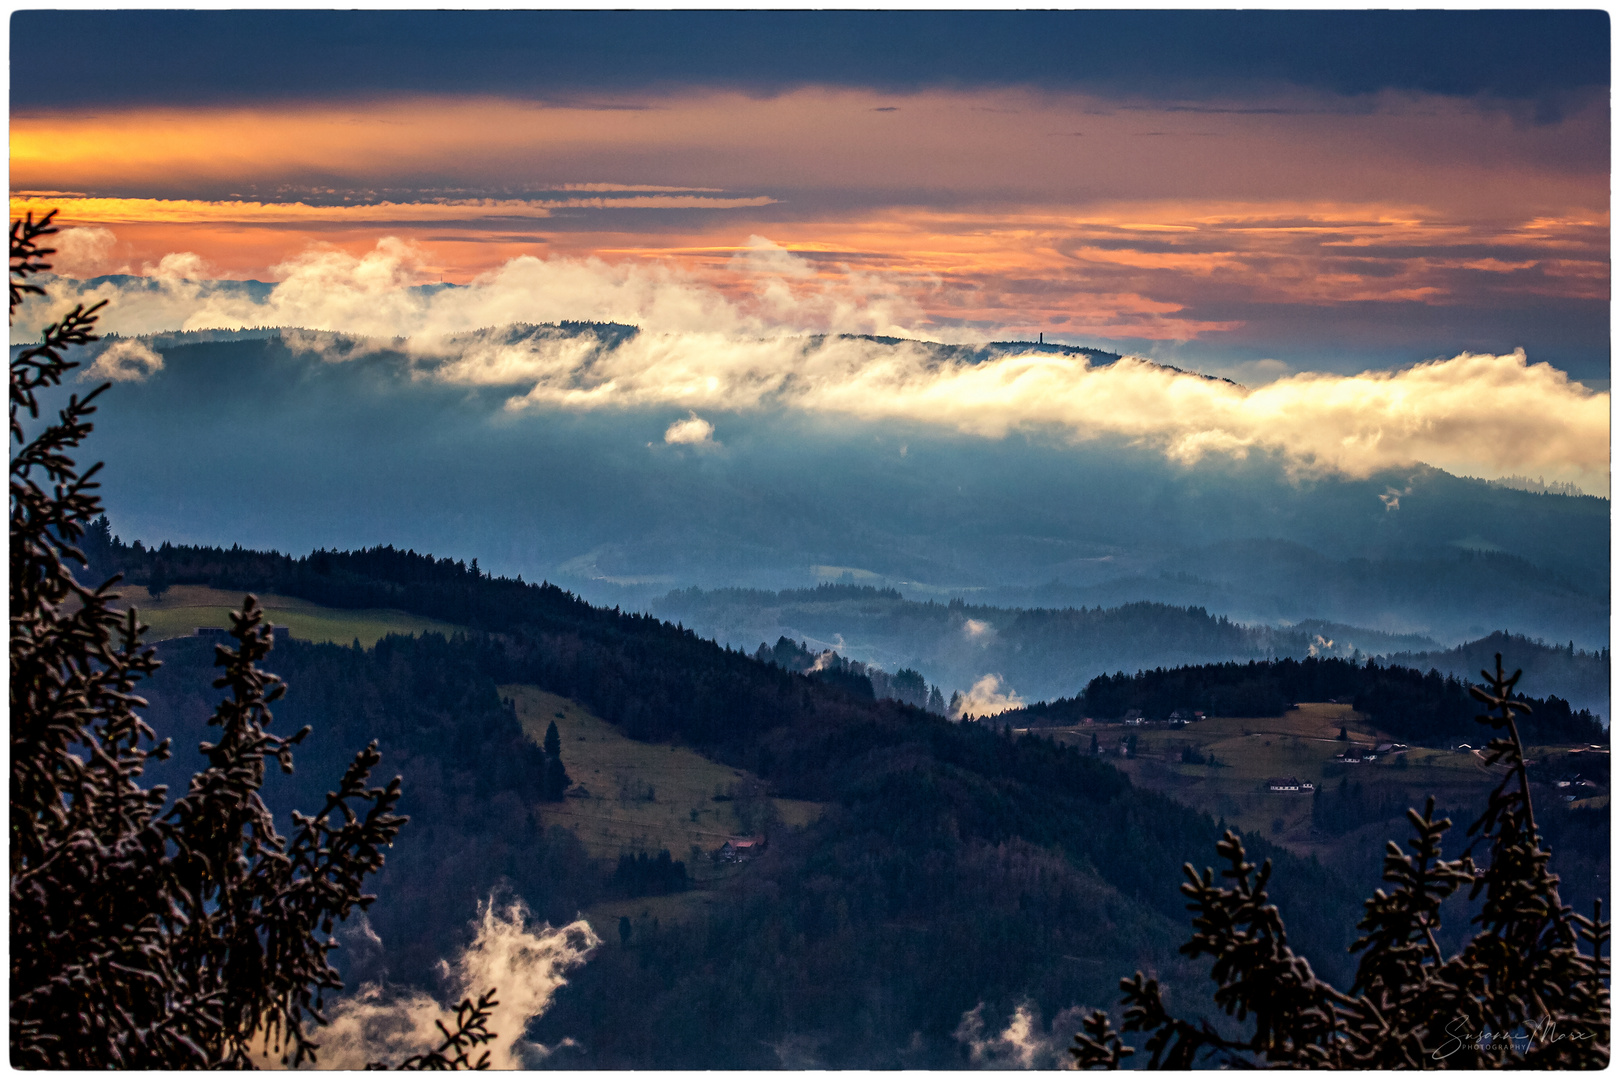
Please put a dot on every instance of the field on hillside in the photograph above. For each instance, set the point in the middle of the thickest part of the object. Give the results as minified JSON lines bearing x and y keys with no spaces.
{"x":628,"y":797}
{"x":183,"y":608}
{"x":1302,"y":743}
{"x":631,"y":796}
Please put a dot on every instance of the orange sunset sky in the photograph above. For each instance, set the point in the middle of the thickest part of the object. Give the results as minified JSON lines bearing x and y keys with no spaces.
{"x":1217,"y":218}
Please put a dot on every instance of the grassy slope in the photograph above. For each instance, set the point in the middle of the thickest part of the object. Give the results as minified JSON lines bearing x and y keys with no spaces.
{"x":608,"y":810}
{"x":1301,"y":743}
{"x":607,"y":806}
{"x":183,"y":608}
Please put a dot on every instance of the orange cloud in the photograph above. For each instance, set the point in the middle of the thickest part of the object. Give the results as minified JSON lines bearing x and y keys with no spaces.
{"x":200,"y":211}
{"x":1112,"y":272}
{"x":1007,"y":209}
{"x":1437,"y":152}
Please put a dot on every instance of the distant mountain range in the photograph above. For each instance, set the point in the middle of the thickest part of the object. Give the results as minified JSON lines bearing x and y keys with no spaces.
{"x":350,"y":443}
{"x":1047,"y":653}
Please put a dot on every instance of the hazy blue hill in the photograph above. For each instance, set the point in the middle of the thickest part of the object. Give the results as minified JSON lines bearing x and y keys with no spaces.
{"x":353,"y":446}
{"x":1576,"y":675}
{"x":1048,"y":653}
{"x":1451,"y":593}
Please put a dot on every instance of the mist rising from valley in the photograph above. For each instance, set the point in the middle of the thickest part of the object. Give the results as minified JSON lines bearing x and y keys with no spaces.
{"x":1000,"y":657}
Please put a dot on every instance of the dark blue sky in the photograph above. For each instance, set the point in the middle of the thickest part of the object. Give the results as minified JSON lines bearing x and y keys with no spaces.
{"x":130,"y":57}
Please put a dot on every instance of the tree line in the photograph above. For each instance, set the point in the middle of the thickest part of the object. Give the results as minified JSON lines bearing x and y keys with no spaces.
{"x":1411,"y":705}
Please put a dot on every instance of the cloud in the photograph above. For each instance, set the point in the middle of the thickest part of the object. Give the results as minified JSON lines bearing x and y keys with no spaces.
{"x":126,"y":360}
{"x":978,"y":631}
{"x":1023,"y":1044}
{"x":773,"y":342}
{"x":82,"y":252}
{"x":525,"y":964}
{"x":693,"y":431}
{"x":986,"y":698}
{"x":1252,"y":372}
{"x":372,"y":294}
{"x":179,"y":266}
{"x":111,"y":211}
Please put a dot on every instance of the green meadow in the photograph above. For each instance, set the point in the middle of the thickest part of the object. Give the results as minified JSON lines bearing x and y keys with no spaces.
{"x":629,"y":797}
{"x":183,"y":608}
{"x":1301,"y":743}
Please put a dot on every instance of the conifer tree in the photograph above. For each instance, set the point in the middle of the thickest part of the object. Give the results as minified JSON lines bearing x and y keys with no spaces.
{"x":1529,"y":990}
{"x":144,"y":936}
{"x":556,"y":779}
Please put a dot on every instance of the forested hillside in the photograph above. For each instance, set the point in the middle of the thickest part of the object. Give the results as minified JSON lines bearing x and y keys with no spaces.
{"x":1044,"y":653}
{"x":1406,"y":703}
{"x":1021,"y":522}
{"x":473,"y":783}
{"x":1577,"y":675}
{"x":1038,"y":652}
{"x":956,"y":865}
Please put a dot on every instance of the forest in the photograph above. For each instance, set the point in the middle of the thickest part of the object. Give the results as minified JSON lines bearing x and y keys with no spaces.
{"x":1410,"y":705}
{"x":956,"y":865}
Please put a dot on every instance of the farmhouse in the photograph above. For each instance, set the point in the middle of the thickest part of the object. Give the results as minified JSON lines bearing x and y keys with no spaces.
{"x":740,"y":848}
{"x":1289,"y":783}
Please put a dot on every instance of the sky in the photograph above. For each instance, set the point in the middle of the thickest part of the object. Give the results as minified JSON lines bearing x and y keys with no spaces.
{"x":1285,"y":199}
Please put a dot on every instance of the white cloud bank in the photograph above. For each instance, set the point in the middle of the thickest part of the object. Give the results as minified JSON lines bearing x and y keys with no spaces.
{"x":987,"y":698}
{"x":702,"y":347}
{"x":693,"y":431}
{"x":525,"y":966}
{"x":125,"y":360}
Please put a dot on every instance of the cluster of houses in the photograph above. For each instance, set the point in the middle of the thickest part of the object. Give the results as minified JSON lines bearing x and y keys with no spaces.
{"x":1357,"y":754}
{"x":277,"y":633}
{"x":1179,"y":718}
{"x":1289,"y":783}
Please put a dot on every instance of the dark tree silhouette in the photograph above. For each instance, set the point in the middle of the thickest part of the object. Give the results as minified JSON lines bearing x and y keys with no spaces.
{"x":1523,"y":992}
{"x":145,"y":936}
{"x":556,"y":781}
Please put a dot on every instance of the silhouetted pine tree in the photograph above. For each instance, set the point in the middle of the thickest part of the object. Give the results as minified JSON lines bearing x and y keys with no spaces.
{"x":557,"y":781}
{"x":143,"y":937}
{"x":1529,"y":990}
